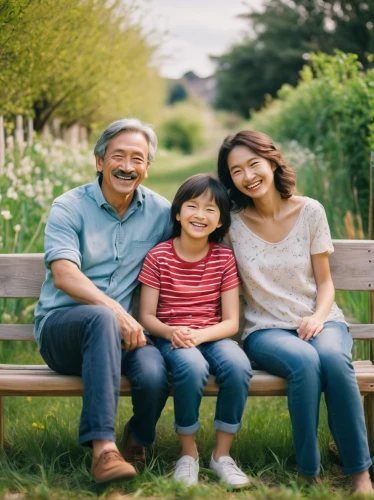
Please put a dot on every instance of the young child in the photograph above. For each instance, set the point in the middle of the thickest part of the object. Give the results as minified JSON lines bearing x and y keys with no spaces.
{"x":190,"y":303}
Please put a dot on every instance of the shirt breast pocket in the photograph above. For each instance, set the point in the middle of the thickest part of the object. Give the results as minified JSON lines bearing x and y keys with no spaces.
{"x":140,"y":248}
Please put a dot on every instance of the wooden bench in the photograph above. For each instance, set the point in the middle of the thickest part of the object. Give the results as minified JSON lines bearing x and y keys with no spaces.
{"x":21,"y":276}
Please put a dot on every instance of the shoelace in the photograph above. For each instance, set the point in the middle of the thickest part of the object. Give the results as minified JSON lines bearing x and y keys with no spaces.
{"x":232,"y":468}
{"x":184,"y":469}
{"x":110,"y":455}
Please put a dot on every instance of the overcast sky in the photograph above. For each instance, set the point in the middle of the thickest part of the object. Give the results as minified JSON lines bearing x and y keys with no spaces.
{"x":195,"y":29}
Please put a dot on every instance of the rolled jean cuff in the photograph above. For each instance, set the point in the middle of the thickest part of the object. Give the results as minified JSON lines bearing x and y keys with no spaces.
{"x":356,"y":470}
{"x":229,"y":428}
{"x":186,"y":431}
{"x":86,"y":439}
{"x":139,"y":440}
{"x":308,"y":472}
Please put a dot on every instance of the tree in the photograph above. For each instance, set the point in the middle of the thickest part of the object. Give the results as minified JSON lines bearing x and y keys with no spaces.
{"x":84,"y":61}
{"x":176,"y":93}
{"x":282,"y":37}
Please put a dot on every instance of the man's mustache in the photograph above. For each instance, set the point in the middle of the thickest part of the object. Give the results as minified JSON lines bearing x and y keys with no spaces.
{"x":119,"y":171}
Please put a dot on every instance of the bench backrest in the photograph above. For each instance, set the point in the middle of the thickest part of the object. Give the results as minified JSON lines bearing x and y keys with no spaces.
{"x":352,"y":268}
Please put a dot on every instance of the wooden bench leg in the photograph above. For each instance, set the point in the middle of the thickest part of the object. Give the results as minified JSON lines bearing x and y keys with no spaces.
{"x":2,"y":424}
{"x":369,"y":418}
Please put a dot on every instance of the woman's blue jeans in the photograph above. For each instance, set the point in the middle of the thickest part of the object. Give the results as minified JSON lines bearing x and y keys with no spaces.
{"x":191,"y":368}
{"x":85,"y":340}
{"x":321,"y":364}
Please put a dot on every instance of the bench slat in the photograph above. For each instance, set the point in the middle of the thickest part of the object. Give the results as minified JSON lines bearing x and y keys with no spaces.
{"x":21,"y":275}
{"x":45,"y":382}
{"x":352,"y":265}
{"x":25,"y":332}
{"x":352,"y":268}
{"x":52,"y":384}
{"x":363,"y":365}
{"x":17,"y":332}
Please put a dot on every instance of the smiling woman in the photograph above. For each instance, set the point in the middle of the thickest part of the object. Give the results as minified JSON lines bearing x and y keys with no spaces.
{"x":248,"y":161}
{"x":294,"y":329}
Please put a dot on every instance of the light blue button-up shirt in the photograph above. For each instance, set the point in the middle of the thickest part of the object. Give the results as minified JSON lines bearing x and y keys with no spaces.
{"x":83,"y":228}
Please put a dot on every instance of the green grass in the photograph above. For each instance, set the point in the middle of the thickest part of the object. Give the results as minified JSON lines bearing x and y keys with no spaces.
{"x":43,"y":458}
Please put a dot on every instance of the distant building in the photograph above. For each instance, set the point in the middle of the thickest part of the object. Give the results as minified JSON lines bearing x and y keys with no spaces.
{"x":200,"y":88}
{"x":192,"y":86}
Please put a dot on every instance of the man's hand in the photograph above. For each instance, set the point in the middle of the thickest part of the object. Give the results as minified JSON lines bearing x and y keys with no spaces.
{"x":310,"y":326}
{"x":183,"y":337}
{"x":68,"y":278}
{"x":132,"y":332}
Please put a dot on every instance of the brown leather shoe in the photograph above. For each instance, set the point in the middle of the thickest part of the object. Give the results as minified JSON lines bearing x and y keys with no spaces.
{"x":110,"y":466}
{"x":134,"y":454}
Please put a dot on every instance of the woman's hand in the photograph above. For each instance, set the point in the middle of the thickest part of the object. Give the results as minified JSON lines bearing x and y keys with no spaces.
{"x":310,"y":326}
{"x":183,"y":337}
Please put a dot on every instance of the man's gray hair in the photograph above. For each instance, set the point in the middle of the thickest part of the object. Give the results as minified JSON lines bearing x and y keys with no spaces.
{"x":131,"y":125}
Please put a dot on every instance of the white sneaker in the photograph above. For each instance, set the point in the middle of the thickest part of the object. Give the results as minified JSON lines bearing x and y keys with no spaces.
{"x":228,"y":472}
{"x":187,"y":470}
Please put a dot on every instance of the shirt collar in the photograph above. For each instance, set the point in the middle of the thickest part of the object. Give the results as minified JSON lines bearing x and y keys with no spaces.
{"x":98,"y":194}
{"x":101,"y":201}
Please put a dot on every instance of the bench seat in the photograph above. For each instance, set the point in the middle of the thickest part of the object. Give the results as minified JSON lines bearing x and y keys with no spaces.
{"x":39,"y":380}
{"x":21,"y":276}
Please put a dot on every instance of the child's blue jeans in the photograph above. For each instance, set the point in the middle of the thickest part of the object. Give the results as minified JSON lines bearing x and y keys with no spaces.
{"x":191,"y":368}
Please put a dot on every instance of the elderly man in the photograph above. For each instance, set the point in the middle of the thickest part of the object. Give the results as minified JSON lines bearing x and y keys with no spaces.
{"x":96,"y":239}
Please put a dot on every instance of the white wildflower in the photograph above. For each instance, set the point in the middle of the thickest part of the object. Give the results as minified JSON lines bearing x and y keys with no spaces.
{"x":6,"y":214}
{"x":29,"y":191}
{"x":11,"y":176}
{"x":38,"y":188}
{"x":11,"y":193}
{"x":10,"y":142}
{"x":17,"y":228}
{"x":76,"y":177}
{"x":26,"y":165}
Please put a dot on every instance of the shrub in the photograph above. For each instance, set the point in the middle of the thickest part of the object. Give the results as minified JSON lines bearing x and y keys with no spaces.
{"x":182,"y":130}
{"x":331,"y":113}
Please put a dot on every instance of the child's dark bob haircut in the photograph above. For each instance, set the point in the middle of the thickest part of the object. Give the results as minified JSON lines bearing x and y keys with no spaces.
{"x":192,"y":188}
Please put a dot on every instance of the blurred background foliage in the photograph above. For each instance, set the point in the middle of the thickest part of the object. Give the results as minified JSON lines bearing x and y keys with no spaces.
{"x":86,"y":62}
{"x":278,"y":41}
{"x":329,"y":114}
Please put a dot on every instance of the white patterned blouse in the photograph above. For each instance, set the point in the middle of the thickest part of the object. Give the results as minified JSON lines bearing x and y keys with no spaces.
{"x":277,"y":278}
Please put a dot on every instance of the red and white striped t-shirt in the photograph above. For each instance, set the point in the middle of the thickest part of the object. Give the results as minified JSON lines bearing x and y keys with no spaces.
{"x":190,"y":292}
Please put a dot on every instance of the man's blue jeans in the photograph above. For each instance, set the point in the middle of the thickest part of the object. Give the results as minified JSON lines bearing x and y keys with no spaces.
{"x":190,"y":369}
{"x":85,"y":340}
{"x":321,"y":364}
